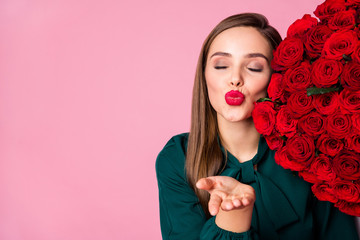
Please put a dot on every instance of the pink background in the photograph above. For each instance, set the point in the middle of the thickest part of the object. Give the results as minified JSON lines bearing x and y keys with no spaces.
{"x":90,"y":91}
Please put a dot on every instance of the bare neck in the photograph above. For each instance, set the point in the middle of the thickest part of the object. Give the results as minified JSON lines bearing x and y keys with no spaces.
{"x":240,"y":138}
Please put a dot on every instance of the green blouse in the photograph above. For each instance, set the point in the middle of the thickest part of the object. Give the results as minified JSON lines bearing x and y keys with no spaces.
{"x":285,"y":207}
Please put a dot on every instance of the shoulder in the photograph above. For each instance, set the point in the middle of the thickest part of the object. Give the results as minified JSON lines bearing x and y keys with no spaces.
{"x":175,"y":147}
{"x":171,"y":159}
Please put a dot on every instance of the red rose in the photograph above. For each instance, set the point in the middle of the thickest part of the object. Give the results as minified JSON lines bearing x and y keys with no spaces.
{"x":288,"y":54}
{"x":301,"y":26}
{"x":327,"y":9}
{"x":318,"y":136}
{"x":350,"y":77}
{"x":298,"y":78}
{"x":357,"y":30}
{"x":355,"y":118}
{"x":326,"y":103}
{"x":322,"y":168}
{"x":343,"y":20}
{"x":285,"y":123}
{"x":350,"y":101}
{"x":352,"y":142}
{"x":347,"y":165}
{"x":309,"y":177}
{"x":275,"y":89}
{"x":264,"y":117}
{"x":312,"y":124}
{"x":356,"y":54}
{"x":315,"y":40}
{"x":323,"y":192}
{"x":285,"y":96}
{"x":281,"y":158}
{"x":340,"y":43}
{"x":338,"y":125}
{"x":300,"y":150}
{"x":352,"y":2}
{"x":329,"y":145}
{"x":348,"y":208}
{"x":326,"y":72}
{"x":357,"y":20}
{"x":274,"y":141}
{"x":300,"y":104}
{"x":347,"y":190}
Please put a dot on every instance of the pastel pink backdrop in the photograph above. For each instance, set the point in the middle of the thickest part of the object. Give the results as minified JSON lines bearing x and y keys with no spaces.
{"x":90,"y":91}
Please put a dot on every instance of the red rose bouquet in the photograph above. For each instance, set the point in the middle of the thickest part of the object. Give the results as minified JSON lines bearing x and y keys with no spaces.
{"x":312,"y":115}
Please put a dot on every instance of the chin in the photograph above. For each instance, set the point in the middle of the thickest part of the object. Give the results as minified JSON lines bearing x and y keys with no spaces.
{"x":235,"y":119}
{"x":234,"y":116}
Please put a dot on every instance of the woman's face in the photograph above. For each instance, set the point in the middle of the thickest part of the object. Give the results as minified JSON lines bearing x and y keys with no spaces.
{"x":237,"y":72}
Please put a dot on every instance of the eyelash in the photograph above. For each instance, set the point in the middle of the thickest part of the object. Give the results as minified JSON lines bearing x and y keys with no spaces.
{"x":251,"y":69}
{"x":255,"y":69}
{"x":220,"y":67}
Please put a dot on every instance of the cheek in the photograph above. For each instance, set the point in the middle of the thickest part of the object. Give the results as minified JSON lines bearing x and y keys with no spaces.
{"x":213,"y":85}
{"x":212,"y":91}
{"x":265,"y":82}
{"x":260,"y":90}
{"x":262,"y":85}
{"x":214,"y":94}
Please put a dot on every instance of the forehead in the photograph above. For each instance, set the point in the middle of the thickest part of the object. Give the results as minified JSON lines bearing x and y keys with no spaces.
{"x":241,"y":41}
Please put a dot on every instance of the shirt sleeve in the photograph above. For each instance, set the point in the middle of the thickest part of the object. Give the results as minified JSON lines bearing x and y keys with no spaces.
{"x":212,"y":231}
{"x":181,"y":214}
{"x":331,"y":224}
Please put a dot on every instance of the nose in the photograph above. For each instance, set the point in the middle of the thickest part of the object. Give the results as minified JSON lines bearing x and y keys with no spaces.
{"x":236,"y":79}
{"x":235,"y":83}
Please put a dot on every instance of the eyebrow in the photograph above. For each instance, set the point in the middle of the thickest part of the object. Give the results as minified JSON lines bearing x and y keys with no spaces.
{"x":224,"y":54}
{"x":250,"y":55}
{"x":254,"y":55}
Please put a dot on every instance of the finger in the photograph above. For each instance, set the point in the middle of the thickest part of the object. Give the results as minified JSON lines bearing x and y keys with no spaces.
{"x":246,"y":199}
{"x":214,"y":204}
{"x":205,"y":184}
{"x":227,"y":205}
{"x":237,"y":203}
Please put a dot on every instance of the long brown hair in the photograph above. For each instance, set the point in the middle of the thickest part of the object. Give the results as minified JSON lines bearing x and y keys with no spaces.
{"x":204,"y":157}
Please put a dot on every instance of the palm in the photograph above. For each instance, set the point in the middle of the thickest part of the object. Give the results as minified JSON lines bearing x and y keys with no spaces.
{"x":227,"y":193}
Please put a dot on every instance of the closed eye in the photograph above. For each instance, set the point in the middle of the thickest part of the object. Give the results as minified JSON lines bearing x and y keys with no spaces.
{"x":255,"y":69}
{"x":220,"y":67}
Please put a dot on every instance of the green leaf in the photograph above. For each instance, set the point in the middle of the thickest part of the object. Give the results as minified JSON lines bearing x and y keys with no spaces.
{"x":315,"y":90}
{"x":283,"y":137}
{"x":346,"y":57}
{"x":264,"y":99}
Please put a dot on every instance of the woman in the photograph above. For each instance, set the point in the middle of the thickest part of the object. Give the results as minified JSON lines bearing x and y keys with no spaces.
{"x":220,"y":181}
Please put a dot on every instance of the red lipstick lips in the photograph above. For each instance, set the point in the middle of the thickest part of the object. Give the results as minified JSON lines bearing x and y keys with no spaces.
{"x":234,"y":98}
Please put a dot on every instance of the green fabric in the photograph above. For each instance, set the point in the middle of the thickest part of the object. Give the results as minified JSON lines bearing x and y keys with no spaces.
{"x":284,"y":208}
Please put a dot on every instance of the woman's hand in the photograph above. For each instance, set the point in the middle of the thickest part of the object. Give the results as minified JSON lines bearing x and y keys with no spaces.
{"x":231,"y":201}
{"x":227,"y":193}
